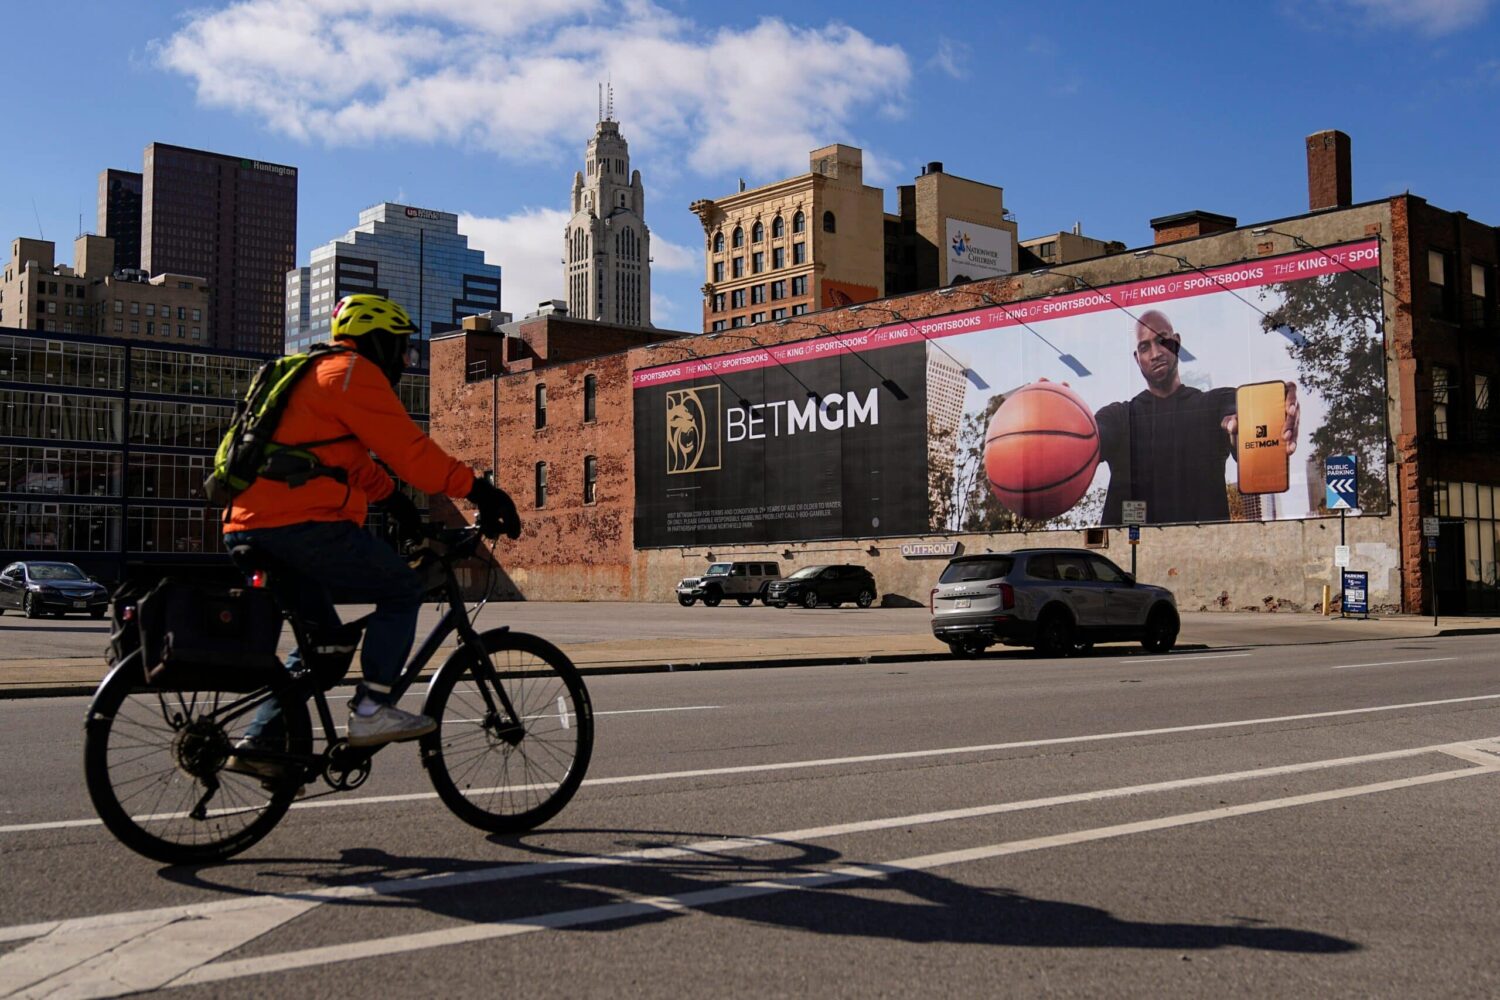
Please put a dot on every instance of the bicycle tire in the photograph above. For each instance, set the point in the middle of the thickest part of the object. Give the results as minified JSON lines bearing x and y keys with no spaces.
{"x":141,"y":790}
{"x":480,"y":777}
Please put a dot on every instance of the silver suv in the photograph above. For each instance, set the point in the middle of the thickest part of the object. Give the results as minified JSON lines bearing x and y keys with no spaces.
{"x":1059,"y":601}
{"x":743,"y":581}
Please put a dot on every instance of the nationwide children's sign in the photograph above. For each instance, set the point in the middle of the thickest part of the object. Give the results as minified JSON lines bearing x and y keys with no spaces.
{"x":1201,"y":394}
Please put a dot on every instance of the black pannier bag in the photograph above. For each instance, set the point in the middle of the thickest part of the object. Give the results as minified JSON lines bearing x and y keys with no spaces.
{"x":208,"y":638}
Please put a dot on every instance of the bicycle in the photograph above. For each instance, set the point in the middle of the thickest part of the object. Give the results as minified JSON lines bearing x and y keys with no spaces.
{"x":514,"y":737}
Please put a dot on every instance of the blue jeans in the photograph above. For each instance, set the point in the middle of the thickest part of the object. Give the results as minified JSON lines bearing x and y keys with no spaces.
{"x":337,"y":561}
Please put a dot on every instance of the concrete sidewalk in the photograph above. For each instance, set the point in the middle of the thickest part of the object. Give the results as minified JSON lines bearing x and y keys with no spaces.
{"x":75,"y":675}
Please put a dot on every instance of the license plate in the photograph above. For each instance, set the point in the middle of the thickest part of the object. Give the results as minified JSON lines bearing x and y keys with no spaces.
{"x":962,"y":602}
{"x":80,"y":604}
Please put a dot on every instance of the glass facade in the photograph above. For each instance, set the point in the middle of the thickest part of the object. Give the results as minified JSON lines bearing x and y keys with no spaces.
{"x":415,"y":256}
{"x":1466,"y":573}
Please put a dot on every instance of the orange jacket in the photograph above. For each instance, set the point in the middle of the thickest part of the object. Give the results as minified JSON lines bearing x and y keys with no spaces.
{"x":347,"y":394}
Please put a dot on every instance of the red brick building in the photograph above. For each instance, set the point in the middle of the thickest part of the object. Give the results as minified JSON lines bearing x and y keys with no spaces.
{"x":552,"y":411}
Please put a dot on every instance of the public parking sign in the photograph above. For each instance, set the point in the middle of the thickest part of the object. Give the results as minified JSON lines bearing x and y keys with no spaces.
{"x":1341,"y":480}
{"x":1356,"y":593}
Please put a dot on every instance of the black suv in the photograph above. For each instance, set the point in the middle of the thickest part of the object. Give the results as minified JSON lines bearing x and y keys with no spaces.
{"x":831,"y":585}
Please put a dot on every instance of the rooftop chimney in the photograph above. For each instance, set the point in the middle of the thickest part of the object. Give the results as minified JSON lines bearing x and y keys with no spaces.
{"x":1186,"y":225}
{"x":1330,"y":179}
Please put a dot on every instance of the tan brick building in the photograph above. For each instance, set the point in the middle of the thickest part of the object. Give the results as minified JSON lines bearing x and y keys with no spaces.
{"x":809,"y":242}
{"x":948,"y":229}
{"x":91,"y":297}
{"x":1066,"y":247}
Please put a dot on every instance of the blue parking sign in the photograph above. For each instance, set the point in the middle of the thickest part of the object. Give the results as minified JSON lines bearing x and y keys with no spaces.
{"x":1341,"y":482}
{"x":1356,"y":593}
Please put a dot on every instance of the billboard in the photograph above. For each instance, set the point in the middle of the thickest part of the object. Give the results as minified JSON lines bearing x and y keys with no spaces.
{"x":977,"y":252}
{"x":1208,"y":395}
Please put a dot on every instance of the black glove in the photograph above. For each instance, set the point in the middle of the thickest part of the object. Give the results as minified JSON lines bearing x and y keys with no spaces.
{"x":497,"y":511}
{"x":404,"y":516}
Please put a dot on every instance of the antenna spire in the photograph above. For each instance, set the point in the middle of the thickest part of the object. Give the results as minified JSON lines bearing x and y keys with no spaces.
{"x":610,"y":106}
{"x":601,"y":102}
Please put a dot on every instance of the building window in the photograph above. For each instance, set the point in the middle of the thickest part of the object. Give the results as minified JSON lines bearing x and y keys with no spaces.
{"x":718,"y":302}
{"x":758,"y":317}
{"x":541,"y":408}
{"x":798,"y":310}
{"x":799,"y":222}
{"x":1482,"y":408}
{"x":541,"y":484}
{"x":778,"y":289}
{"x":778,"y":258}
{"x":799,"y":253}
{"x":739,"y":237}
{"x":1047,"y":251}
{"x":719,"y":242}
{"x":738,"y":270}
{"x":778,"y":314}
{"x":1440,"y":382}
{"x":757,"y":262}
{"x":151,"y":327}
{"x":799,"y":285}
{"x":737,"y":299}
{"x":778,"y":228}
{"x":119,"y":305}
{"x":197,"y":315}
{"x":119,"y":326}
{"x":135,"y":308}
{"x":757,"y":294}
{"x":590,"y":478}
{"x":1439,"y":287}
{"x":737,"y":322}
{"x":719,"y":325}
{"x":757,"y":233}
{"x":718,"y":270}
{"x":590,"y":396}
{"x":830,"y":224}
{"x":150,"y":309}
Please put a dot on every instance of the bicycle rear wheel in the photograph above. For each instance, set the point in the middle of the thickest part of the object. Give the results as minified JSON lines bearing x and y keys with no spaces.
{"x":150,"y":757}
{"x":494,"y":776}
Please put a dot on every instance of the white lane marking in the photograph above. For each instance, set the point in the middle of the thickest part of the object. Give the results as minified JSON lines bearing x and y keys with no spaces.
{"x":1181,"y":657}
{"x":232,"y":921}
{"x":615,"y":711}
{"x":310,"y":957}
{"x":710,"y":772}
{"x":1392,"y":663}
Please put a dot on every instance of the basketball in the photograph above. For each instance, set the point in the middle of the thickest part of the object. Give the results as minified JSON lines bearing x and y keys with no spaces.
{"x":1041,"y":450}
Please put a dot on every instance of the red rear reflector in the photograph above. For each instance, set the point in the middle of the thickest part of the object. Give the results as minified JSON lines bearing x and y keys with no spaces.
{"x":258,"y":579}
{"x":930,"y":595}
{"x":1007,"y":595}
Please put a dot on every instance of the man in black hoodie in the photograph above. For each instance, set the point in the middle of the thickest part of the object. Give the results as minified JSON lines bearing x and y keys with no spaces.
{"x":1167,"y":445}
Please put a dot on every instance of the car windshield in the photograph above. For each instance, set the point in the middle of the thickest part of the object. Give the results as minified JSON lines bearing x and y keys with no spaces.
{"x":807,"y":572}
{"x":977,"y":569}
{"x":55,"y":571}
{"x":718,"y":569}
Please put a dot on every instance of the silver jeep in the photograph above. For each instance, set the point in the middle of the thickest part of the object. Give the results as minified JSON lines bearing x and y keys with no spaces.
{"x":1059,"y":601}
{"x":743,"y":581}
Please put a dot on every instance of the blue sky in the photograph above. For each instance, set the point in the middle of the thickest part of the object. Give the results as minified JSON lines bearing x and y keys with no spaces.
{"x":1103,"y":113}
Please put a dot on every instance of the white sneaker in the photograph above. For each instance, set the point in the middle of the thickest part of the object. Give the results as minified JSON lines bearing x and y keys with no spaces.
{"x":388,"y":724}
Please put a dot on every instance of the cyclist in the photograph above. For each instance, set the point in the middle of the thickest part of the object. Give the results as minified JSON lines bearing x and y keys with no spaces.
{"x":312,"y":522}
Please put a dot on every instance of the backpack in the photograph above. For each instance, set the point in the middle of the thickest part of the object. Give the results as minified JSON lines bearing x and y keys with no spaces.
{"x":247,"y":453}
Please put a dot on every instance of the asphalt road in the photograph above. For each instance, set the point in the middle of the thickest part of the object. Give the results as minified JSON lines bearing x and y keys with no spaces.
{"x":1290,"y":821}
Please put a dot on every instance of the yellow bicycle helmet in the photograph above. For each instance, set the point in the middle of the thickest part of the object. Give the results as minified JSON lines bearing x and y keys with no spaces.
{"x":356,"y":315}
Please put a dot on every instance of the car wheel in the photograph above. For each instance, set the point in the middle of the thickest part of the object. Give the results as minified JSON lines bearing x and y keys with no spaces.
{"x":745,"y":602}
{"x":810,"y":599}
{"x":1054,"y":635}
{"x":712,"y":599}
{"x":29,"y":607}
{"x":1161,"y":631}
{"x":686,"y":602}
{"x":865,"y":598}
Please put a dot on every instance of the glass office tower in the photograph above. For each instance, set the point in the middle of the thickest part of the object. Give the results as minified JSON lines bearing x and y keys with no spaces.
{"x":415,"y":256}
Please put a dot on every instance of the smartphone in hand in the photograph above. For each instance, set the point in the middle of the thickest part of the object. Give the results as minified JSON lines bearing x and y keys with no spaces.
{"x":1260,"y":451}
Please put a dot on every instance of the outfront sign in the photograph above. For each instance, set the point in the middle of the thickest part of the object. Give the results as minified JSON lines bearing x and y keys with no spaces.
{"x":926,"y":550}
{"x":1341,"y":482}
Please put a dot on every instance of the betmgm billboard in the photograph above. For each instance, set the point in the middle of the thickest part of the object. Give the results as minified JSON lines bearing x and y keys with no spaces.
{"x":1208,"y":394}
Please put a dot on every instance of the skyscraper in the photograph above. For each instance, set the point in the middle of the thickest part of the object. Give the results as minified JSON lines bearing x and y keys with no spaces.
{"x":231,"y":220}
{"x":607,"y":247}
{"x":415,"y":256}
{"x":120,"y":215}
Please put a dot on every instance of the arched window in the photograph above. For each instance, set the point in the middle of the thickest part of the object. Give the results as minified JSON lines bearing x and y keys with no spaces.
{"x":778,"y":228}
{"x":739,"y":237}
{"x":719,"y":242}
{"x":590,"y":478}
{"x":757,"y":232}
{"x":830,"y":224}
{"x":799,"y":222}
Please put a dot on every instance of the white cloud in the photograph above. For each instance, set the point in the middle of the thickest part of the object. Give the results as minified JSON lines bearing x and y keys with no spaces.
{"x":1429,"y":17}
{"x":952,"y":57}
{"x":517,"y":79}
{"x":528,"y":247}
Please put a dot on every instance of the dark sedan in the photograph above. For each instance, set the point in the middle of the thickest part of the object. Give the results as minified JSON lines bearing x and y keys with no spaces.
{"x":56,"y":588}
{"x":815,"y":585}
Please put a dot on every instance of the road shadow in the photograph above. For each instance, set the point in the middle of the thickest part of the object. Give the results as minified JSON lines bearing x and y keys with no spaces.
{"x":782,"y":884}
{"x":25,"y":625}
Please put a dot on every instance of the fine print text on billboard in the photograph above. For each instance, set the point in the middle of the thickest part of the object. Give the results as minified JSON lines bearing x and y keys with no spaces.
{"x":1209,"y":396}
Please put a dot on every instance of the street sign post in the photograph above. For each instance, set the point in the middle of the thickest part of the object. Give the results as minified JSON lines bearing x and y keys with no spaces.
{"x":1356,"y":599}
{"x":1133,"y":513}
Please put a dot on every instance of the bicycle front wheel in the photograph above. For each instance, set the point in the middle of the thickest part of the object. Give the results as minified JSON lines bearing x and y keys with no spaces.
{"x":154,"y":764}
{"x":499,"y":774}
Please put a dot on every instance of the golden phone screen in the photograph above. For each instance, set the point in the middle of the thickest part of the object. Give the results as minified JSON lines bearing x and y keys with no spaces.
{"x":1262,"y":457}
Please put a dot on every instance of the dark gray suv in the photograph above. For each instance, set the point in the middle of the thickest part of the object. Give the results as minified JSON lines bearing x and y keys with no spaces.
{"x":1060,"y":601}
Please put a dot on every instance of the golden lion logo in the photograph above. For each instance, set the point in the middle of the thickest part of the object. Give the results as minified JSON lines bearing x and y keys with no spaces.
{"x":693,"y":430}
